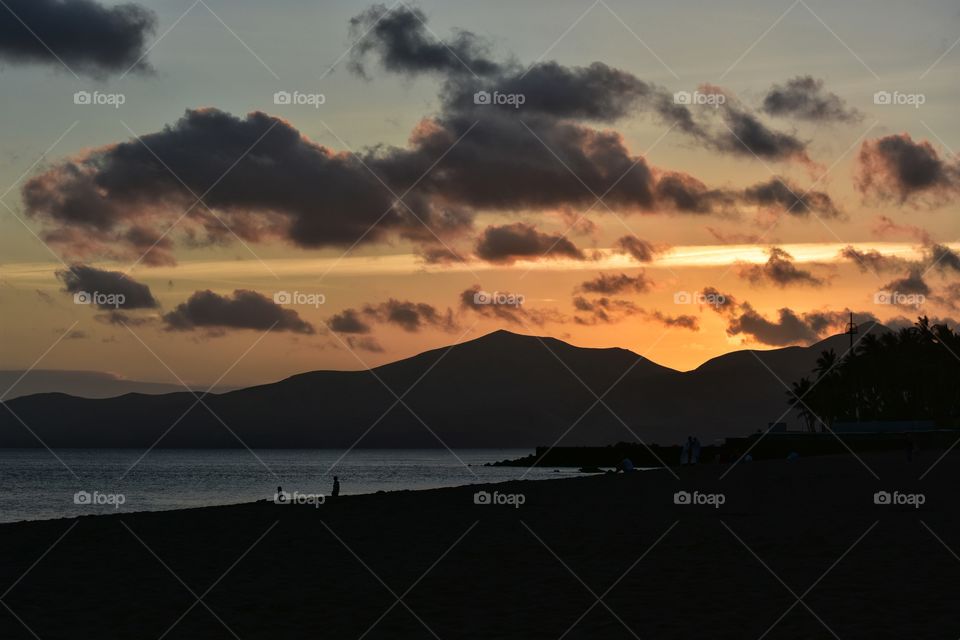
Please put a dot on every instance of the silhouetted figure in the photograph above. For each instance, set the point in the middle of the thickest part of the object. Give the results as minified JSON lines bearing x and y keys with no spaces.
{"x":336,"y":487}
{"x":695,"y":450}
{"x":281,"y":496}
{"x":626,"y":465}
{"x":685,"y":452}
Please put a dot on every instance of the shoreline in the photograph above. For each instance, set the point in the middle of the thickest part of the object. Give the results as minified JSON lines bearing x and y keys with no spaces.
{"x":668,"y":555}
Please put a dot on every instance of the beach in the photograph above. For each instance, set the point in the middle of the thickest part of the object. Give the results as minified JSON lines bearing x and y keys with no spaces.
{"x":771,"y":549}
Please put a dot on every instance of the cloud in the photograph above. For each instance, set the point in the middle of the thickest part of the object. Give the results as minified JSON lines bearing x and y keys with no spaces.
{"x":777,"y":192}
{"x":603,"y":310}
{"x":245,"y":310}
{"x":511,"y":242}
{"x":943,"y":258}
{"x":746,"y":135}
{"x":87,"y":36}
{"x":348,"y":321}
{"x":107,"y":289}
{"x":411,"y":316}
{"x":402,"y":43}
{"x":885,"y":227}
{"x":511,"y":313}
{"x":873,"y":260}
{"x":722,"y":303}
{"x":778,"y":270}
{"x":364,"y":343}
{"x":267,"y":182}
{"x":640,"y":250}
{"x":788,"y":328}
{"x":682,"y":321}
{"x":911,"y":284}
{"x":620,"y":283}
{"x":897,"y":168}
{"x":804,"y":97}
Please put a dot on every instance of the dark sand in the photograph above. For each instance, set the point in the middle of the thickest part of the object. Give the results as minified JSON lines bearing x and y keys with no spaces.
{"x":500,"y":581}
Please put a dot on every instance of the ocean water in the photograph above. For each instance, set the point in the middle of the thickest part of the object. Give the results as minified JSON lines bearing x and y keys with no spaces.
{"x":35,"y":485}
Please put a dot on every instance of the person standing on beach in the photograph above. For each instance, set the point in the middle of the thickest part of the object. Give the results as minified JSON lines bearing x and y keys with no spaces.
{"x":336,"y":487}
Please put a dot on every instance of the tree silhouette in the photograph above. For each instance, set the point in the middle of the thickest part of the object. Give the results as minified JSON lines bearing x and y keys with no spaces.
{"x":910,"y":374}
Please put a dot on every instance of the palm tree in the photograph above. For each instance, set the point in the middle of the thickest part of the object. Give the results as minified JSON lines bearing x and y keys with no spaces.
{"x":797,"y":394}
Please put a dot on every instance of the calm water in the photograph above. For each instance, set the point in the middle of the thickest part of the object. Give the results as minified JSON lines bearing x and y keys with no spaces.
{"x":35,"y":485}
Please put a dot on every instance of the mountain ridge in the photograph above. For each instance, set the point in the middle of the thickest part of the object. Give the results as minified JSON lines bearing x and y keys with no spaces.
{"x":503,"y":389}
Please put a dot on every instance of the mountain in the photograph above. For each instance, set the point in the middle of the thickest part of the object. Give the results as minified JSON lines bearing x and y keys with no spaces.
{"x":501,"y":390}
{"x":86,"y":384}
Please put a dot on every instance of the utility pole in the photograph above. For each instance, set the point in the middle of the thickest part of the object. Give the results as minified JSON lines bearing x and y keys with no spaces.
{"x":852,"y":330}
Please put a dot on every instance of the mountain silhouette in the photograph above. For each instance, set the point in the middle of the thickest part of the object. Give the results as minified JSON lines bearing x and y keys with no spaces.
{"x":500,"y":390}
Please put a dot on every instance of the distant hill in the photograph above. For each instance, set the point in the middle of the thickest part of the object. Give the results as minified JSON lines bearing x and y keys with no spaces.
{"x":501,"y":390}
{"x":85,"y":384}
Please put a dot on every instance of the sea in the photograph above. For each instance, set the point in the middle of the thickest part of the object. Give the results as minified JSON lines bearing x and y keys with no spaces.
{"x":39,"y":484}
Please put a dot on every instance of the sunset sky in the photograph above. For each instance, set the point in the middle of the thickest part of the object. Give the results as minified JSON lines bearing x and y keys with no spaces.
{"x":681,"y":179}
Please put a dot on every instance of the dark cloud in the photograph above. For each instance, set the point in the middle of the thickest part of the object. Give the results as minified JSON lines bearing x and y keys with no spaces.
{"x":777,"y":192}
{"x":746,"y":135}
{"x":348,"y":321}
{"x":682,"y":321}
{"x":106,"y":289}
{"x":476,"y":300}
{"x":266,"y":181}
{"x":685,"y":194}
{"x":911,"y":284}
{"x":897,"y":168}
{"x":282,"y":185}
{"x":790,"y":327}
{"x":804,"y":97}
{"x":944,"y":258}
{"x":85,"y":35}
{"x":206,"y":310}
{"x":617,"y":283}
{"x":640,"y":250}
{"x":603,"y":310}
{"x":873,"y":260}
{"x":411,"y":316}
{"x":778,"y":270}
{"x":519,"y":240}
{"x":722,"y":303}
{"x":403,"y":44}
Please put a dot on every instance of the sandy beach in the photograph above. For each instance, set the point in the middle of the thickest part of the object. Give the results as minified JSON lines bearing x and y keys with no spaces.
{"x":773,"y":549}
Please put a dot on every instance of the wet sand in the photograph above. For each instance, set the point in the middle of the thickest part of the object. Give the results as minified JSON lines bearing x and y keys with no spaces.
{"x":466,"y":570}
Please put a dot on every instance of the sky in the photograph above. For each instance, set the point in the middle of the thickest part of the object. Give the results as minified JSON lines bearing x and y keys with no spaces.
{"x":228,"y":193}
